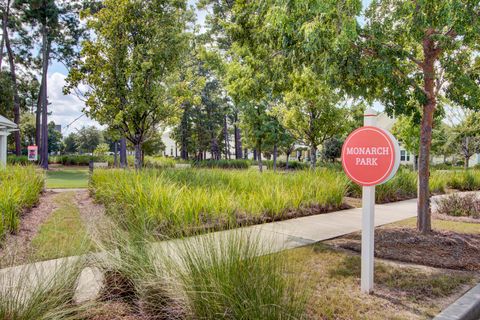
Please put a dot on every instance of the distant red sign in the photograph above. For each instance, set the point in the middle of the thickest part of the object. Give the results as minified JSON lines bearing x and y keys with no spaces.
{"x":370,"y":156}
{"x":32,"y":153}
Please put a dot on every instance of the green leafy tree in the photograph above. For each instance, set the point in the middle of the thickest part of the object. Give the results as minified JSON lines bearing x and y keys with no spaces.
{"x":406,"y":54}
{"x":55,"y":27}
{"x":332,"y":149}
{"x":130,"y":65}
{"x":467,"y":136}
{"x":55,"y":138}
{"x":311,"y":111}
{"x":88,"y":138}
{"x":70,"y":143}
{"x":101,"y":150}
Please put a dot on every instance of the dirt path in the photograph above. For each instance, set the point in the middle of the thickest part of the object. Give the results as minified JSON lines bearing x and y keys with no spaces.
{"x":92,"y":214}
{"x":16,"y":248}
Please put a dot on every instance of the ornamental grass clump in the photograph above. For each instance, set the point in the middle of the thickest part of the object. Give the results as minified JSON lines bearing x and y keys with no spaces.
{"x":35,"y":292}
{"x":465,"y":180}
{"x":467,"y":205}
{"x":169,"y":201}
{"x":20,"y":188}
{"x":213,"y":276}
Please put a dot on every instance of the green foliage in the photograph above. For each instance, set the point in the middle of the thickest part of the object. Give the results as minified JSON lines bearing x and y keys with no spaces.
{"x":159,"y":162}
{"x":17,"y":160}
{"x":464,"y":180}
{"x":131,"y":64}
{"x":167,"y":201}
{"x":48,"y":297}
{"x":292,"y":165}
{"x":228,"y":277}
{"x":223,"y":164}
{"x":20,"y":189}
{"x":101,"y":150}
{"x":332,"y":149}
{"x":87,"y":139}
{"x":55,"y":143}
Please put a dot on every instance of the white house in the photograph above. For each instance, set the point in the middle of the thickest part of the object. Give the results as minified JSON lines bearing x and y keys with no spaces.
{"x":6,"y":127}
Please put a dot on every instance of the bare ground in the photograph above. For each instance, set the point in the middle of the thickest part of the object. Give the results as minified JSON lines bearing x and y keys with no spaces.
{"x":440,"y":249}
{"x":16,"y":248}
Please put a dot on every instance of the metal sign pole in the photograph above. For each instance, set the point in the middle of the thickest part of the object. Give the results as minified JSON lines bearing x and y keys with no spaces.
{"x":368,"y":222}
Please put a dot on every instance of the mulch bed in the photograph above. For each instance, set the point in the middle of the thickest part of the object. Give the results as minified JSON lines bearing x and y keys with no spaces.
{"x":438,"y":249}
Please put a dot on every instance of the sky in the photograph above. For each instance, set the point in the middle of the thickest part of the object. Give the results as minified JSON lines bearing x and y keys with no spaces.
{"x":66,"y":109}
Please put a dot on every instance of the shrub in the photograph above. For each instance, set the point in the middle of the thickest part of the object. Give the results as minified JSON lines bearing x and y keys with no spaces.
{"x":292,"y":165}
{"x":223,"y":164}
{"x":402,"y":186}
{"x":18,"y":160}
{"x":159,"y":162}
{"x":467,"y":205}
{"x":168,"y":200}
{"x":464,"y":180}
{"x":20,"y":188}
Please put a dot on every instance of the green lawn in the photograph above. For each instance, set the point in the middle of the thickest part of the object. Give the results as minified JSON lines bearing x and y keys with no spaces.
{"x":67,"y":179}
{"x":443,"y":225}
{"x":63,"y":234}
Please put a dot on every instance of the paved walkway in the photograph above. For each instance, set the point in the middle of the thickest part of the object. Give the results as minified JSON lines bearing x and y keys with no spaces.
{"x":281,"y":235}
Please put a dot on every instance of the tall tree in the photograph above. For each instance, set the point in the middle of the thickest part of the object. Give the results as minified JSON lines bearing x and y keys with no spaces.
{"x":311,"y":111}
{"x":405,"y":54}
{"x":130,"y":63}
{"x":55,"y":25}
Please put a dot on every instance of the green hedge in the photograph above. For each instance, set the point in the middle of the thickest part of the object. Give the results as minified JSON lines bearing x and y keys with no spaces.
{"x":222,"y":164}
{"x":20,"y":188}
{"x":18,"y":160}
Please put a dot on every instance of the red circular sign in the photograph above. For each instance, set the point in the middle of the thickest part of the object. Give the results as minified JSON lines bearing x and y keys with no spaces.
{"x":369,"y":156}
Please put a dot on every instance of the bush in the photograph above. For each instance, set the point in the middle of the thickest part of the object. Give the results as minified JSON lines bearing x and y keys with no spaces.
{"x":159,"y":162}
{"x":18,"y":160}
{"x":459,"y":205}
{"x":292,"y":165}
{"x":167,"y":201}
{"x":402,"y":186}
{"x":223,"y":164}
{"x":464,"y":180}
{"x":20,"y":188}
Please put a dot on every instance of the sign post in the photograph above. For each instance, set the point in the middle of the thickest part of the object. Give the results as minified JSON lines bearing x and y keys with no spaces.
{"x":370,"y":156}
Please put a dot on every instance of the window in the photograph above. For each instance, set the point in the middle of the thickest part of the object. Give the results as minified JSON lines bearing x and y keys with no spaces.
{"x":404,"y":156}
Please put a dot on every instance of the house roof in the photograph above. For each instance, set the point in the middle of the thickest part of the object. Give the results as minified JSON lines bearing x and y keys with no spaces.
{"x":7,"y":124}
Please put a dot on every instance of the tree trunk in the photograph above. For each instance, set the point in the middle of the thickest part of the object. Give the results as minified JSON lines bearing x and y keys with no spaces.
{"x":115,"y":155}
{"x":467,"y":162}
{"x":16,"y":98}
{"x":238,"y":139}
{"x":123,"y":153}
{"x":275,"y":157}
{"x":415,"y":163}
{"x":259,"y":157}
{"x":226,"y":138}
{"x":254,"y":154}
{"x":38,"y":113}
{"x":288,"y":158}
{"x":313,"y":155}
{"x":45,"y":59}
{"x":4,"y":30}
{"x":424,"y":223}
{"x":138,"y":156}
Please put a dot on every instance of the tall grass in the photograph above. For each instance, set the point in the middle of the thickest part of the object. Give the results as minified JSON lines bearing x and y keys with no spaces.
{"x":170,"y":200}
{"x":20,"y":188}
{"x":35,"y":292}
{"x":224,"y":164}
{"x":213,"y":276}
{"x":159,"y":162}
